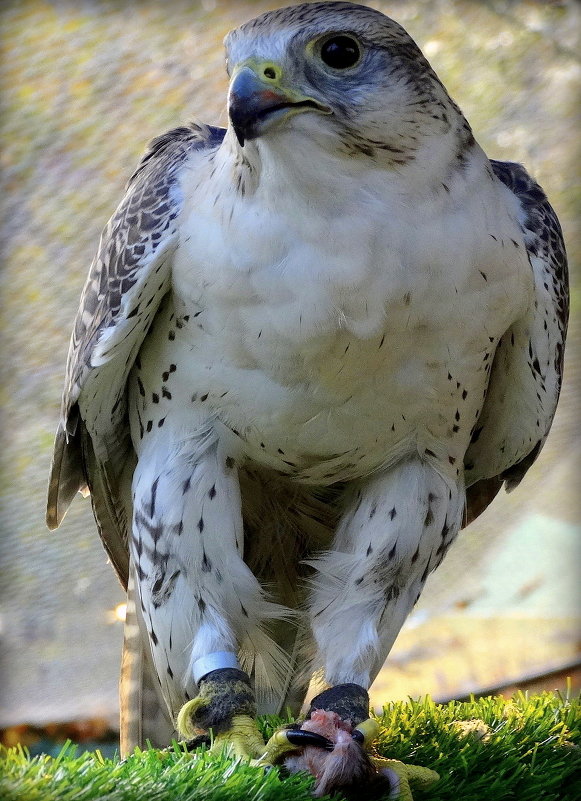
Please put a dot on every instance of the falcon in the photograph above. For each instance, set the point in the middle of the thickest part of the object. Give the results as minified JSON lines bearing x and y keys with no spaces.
{"x":311,"y":347}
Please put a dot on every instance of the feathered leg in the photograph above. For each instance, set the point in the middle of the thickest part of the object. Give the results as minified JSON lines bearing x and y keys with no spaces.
{"x":200,"y":604}
{"x":393,"y":534}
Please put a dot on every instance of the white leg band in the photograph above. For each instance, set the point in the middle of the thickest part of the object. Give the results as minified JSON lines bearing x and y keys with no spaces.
{"x":215,"y":661}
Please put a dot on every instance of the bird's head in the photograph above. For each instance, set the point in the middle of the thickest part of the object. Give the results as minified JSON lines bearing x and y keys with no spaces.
{"x":339,"y":73}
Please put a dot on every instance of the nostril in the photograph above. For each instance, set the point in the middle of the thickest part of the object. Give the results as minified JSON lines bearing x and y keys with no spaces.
{"x":269,"y":73}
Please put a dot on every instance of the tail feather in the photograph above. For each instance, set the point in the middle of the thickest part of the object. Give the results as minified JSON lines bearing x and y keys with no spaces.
{"x":66,"y":476}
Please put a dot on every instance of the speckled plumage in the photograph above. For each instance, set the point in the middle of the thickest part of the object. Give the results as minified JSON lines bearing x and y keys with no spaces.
{"x":298,"y":361}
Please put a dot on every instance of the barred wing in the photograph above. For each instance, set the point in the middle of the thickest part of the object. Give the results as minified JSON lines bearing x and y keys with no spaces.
{"x":129,"y":276}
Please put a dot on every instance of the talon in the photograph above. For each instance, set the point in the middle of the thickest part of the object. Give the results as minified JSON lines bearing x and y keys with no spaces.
{"x":284,"y":741}
{"x":185,"y":723}
{"x":334,"y":716}
{"x":403,"y":778}
{"x":198,"y":741}
{"x":302,"y":738}
{"x":276,"y":748}
{"x":226,"y":708}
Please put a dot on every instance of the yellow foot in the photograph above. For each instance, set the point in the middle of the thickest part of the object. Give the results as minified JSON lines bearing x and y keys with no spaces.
{"x":243,"y":739}
{"x":224,"y":709}
{"x":305,"y":750}
{"x":290,"y":738}
{"x":284,"y":741}
{"x":404,"y":778}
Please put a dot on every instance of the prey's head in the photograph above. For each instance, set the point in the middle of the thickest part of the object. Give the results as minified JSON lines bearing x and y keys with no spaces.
{"x":337,"y":72}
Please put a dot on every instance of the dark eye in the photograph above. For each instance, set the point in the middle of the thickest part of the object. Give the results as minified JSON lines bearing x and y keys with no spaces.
{"x":340,"y":52}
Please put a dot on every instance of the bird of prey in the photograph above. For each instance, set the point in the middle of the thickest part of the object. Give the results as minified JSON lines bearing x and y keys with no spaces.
{"x":311,"y":347}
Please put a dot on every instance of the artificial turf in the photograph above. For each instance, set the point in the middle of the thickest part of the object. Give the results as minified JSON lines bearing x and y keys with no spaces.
{"x":529,"y":750}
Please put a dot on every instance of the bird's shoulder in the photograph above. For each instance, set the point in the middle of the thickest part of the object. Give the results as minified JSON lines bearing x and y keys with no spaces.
{"x":541,"y":228}
{"x":166,"y":151}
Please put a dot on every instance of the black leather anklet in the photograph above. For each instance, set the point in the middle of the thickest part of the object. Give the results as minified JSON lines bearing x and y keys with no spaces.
{"x":223,"y":693}
{"x":349,"y":701}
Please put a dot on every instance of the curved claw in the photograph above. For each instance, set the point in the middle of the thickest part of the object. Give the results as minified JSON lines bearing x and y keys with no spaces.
{"x":185,"y":720}
{"x":225,"y":708}
{"x":301,"y":738}
{"x":285,"y":740}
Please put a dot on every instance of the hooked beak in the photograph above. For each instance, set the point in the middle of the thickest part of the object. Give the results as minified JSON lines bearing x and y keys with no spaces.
{"x":257,"y":101}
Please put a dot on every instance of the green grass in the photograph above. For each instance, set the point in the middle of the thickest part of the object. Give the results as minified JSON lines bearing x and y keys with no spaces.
{"x":530,"y":753}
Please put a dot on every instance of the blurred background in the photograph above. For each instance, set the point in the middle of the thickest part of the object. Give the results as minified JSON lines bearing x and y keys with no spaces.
{"x":84,"y":86}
